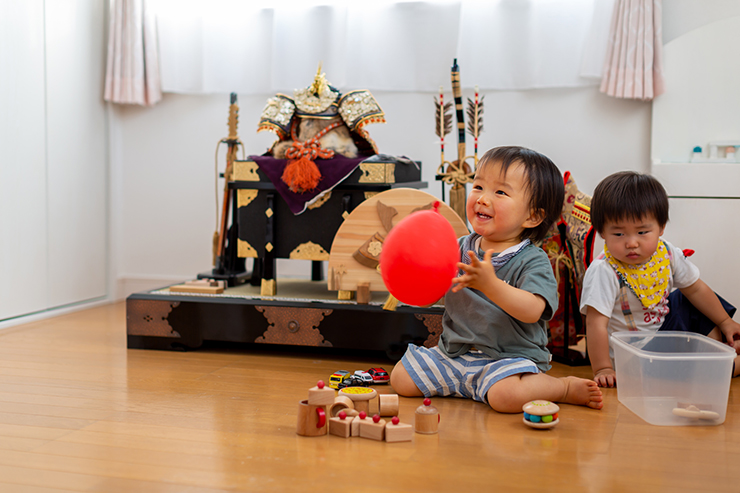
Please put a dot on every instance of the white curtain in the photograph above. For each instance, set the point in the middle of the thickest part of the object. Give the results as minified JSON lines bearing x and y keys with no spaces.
{"x":251,"y":47}
{"x":132,"y":72}
{"x":634,"y":67}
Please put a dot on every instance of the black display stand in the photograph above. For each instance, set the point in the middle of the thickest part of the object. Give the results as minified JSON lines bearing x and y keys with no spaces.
{"x":160,"y":320}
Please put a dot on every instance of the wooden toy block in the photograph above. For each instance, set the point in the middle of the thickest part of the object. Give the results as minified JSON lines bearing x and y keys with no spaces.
{"x":355,"y":426}
{"x":426,"y":420}
{"x":341,"y":426}
{"x":321,"y":395}
{"x":373,"y":429}
{"x":388,"y":404}
{"x":360,"y":396}
{"x":341,"y":403}
{"x":311,"y":420}
{"x":199,"y":286}
{"x":395,"y":431}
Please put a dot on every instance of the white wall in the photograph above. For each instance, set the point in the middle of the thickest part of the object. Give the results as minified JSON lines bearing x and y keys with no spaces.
{"x":53,"y":156}
{"x":163,"y":160}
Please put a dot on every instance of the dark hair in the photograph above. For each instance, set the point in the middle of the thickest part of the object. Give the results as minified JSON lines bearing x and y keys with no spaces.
{"x":544,"y":183}
{"x":628,"y":195}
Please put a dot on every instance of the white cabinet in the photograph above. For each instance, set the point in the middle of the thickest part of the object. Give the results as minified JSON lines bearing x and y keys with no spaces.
{"x":709,"y":226}
{"x":704,"y":216}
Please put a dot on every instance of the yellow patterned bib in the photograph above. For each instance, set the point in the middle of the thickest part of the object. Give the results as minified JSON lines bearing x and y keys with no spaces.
{"x":648,"y":281}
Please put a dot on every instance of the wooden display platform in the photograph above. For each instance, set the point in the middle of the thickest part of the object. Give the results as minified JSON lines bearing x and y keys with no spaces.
{"x":303,"y":313}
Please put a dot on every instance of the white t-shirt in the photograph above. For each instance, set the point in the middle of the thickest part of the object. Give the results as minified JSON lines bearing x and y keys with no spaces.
{"x":601,"y":292}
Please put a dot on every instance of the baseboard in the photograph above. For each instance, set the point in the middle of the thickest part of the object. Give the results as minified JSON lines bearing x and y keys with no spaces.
{"x":126,"y":286}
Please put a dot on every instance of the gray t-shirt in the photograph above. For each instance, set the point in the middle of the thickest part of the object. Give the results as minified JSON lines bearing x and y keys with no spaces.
{"x":473,"y":320}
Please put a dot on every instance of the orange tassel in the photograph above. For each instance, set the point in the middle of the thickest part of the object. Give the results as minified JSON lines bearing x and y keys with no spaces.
{"x":301,"y":175}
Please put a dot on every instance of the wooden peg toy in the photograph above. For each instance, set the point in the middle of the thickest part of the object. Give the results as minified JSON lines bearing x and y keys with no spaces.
{"x":395,"y":431}
{"x":341,"y":425}
{"x":388,"y":404}
{"x":427,"y":418}
{"x":361,"y":417}
{"x":360,"y":396}
{"x":374,"y":429}
{"x":321,"y":395}
{"x":541,"y":414}
{"x":311,"y":420}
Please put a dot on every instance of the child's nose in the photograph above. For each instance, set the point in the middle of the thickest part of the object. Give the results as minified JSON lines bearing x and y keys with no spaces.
{"x":631,"y":242}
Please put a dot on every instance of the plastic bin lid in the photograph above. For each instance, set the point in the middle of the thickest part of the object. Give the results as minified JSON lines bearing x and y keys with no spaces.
{"x":633,"y":341}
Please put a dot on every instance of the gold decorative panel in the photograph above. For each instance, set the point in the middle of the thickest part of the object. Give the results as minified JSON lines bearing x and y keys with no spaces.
{"x":245,"y":197}
{"x":246,"y":171}
{"x":309,"y":251}
{"x":268,"y":287}
{"x":268,"y":212}
{"x":378,"y":173}
{"x":321,"y":200}
{"x":245,"y":250}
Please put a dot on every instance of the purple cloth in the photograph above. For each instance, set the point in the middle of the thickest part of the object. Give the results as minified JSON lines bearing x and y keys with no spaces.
{"x":333,"y":171}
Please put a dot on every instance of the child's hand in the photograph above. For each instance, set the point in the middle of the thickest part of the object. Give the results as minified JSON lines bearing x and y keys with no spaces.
{"x":478,"y":275}
{"x":731,"y":330}
{"x":606,"y":377}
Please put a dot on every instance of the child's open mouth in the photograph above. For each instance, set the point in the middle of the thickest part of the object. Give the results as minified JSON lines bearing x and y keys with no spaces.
{"x":482,"y":216}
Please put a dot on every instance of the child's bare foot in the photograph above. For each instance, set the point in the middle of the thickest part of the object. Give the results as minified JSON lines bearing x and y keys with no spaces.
{"x":582,"y":392}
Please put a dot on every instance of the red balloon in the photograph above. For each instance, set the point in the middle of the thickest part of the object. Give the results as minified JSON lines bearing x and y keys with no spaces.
{"x":419,"y":257}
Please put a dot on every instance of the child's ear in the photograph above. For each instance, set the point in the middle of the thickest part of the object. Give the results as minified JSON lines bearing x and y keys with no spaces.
{"x":535,"y":219}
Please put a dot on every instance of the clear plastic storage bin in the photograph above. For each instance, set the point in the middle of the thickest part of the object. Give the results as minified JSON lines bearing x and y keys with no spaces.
{"x":673,"y":378}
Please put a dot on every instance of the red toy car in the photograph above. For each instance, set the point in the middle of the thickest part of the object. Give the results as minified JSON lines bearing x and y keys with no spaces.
{"x":379,"y":375}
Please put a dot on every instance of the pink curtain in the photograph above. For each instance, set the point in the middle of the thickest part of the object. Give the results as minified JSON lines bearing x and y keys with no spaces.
{"x":132,"y":73}
{"x":633,"y":67}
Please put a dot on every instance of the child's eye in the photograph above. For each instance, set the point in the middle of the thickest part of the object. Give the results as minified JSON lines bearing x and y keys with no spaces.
{"x":618,"y":234}
{"x":477,"y":187}
{"x":500,"y":192}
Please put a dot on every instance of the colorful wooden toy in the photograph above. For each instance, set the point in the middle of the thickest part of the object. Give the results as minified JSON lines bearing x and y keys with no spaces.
{"x":427,"y":418}
{"x":374,"y":428}
{"x":541,"y":414}
{"x":341,"y":425}
{"x":355,"y":426}
{"x":388,"y":404}
{"x":395,"y":431}
{"x":311,"y":420}
{"x":321,"y":395}
{"x":341,"y":403}
{"x":360,"y":396}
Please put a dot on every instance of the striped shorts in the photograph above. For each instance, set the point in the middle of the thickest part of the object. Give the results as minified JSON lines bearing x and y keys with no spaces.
{"x":470,"y":375}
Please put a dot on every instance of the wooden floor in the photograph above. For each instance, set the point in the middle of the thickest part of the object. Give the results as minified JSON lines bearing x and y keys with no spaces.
{"x":81,"y":412}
